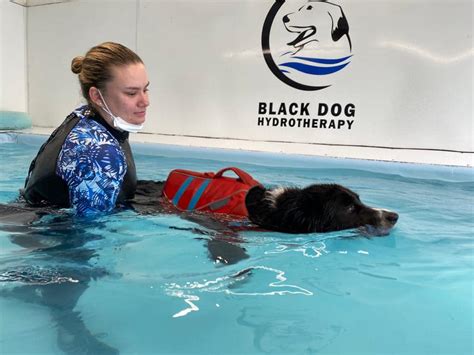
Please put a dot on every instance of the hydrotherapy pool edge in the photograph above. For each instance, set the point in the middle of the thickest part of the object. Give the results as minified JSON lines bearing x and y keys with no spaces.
{"x":412,"y":170}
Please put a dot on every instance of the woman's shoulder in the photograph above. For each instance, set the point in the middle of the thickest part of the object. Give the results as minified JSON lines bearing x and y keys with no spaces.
{"x":88,"y":128}
{"x":90,"y":134}
{"x":82,"y":111}
{"x":89,"y":142}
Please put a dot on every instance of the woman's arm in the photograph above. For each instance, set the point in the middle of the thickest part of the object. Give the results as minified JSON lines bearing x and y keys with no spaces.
{"x":93,"y":166}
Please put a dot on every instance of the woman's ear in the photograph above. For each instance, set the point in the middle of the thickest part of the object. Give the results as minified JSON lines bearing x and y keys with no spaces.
{"x":95,"y":96}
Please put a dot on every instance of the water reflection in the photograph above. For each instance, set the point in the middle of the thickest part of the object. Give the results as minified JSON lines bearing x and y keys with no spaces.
{"x":53,"y":270}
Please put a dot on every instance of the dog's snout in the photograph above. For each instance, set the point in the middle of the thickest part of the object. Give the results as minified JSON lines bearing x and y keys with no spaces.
{"x":392,"y":217}
{"x":286,"y":19}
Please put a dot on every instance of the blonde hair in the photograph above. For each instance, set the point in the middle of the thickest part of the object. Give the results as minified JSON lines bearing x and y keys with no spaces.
{"x":95,"y":68}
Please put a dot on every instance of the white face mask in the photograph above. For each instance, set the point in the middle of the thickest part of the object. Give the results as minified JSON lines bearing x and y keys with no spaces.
{"x":119,"y":122}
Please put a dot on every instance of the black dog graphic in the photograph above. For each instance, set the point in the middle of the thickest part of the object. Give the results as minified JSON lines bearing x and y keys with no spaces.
{"x":317,"y":24}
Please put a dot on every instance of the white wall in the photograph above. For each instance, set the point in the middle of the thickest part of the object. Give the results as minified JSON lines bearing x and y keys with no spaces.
{"x":13,"y":84}
{"x":59,"y":32}
{"x":410,"y":77}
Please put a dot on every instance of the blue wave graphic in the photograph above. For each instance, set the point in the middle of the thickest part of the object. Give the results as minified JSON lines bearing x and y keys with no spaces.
{"x":311,"y":69}
{"x":324,"y":61}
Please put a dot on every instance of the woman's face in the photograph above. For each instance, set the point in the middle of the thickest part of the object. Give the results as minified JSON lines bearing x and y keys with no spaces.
{"x":127,"y":93}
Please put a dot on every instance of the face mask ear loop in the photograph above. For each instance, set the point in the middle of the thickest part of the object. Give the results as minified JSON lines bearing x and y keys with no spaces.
{"x":117,"y":121}
{"x":106,"y":109}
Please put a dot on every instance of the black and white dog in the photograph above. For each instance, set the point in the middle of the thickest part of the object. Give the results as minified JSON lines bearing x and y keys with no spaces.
{"x":316,"y":208}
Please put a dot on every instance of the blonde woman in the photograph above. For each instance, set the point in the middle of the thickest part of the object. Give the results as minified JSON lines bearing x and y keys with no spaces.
{"x":87,"y":163}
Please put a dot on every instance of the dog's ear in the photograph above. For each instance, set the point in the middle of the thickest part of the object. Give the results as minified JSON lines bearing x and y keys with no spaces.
{"x":340,"y":26}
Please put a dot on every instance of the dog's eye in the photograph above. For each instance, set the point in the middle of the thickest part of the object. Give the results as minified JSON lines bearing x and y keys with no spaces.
{"x":351,"y":209}
{"x":309,"y":7}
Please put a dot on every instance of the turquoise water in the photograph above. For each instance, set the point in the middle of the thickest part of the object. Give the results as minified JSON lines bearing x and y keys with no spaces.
{"x":146,"y":284}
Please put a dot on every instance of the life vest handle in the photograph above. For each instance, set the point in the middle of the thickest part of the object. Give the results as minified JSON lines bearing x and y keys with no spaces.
{"x":246,"y":178}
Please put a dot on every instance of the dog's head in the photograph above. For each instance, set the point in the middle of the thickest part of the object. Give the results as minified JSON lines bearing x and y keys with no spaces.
{"x":315,"y":20}
{"x":334,"y":207}
{"x":316,"y":208}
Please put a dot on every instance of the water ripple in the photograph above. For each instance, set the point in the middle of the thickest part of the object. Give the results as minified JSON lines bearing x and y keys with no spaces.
{"x":35,"y":276}
{"x":267,"y":281}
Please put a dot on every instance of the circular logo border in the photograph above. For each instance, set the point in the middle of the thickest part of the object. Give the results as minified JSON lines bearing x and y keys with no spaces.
{"x":267,"y":25}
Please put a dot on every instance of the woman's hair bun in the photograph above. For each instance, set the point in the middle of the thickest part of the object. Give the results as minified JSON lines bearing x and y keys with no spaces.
{"x":76,"y":64}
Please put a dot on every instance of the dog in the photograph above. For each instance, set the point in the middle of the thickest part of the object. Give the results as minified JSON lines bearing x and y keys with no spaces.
{"x":318,"y":24}
{"x":316,"y":208}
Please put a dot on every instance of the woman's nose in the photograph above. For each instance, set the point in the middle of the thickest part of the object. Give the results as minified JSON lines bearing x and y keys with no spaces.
{"x":144,"y":101}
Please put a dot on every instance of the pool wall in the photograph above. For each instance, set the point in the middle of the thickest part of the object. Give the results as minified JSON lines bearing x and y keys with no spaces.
{"x":403,"y":92}
{"x":236,"y":157}
{"x":13,"y":69}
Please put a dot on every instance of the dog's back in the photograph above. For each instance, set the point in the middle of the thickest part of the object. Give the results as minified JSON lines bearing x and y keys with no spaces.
{"x":283,"y":209}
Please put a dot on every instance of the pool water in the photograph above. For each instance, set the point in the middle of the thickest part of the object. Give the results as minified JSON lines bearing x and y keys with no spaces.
{"x":132,"y":284}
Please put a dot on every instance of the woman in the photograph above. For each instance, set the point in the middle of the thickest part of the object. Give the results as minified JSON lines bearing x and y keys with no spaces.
{"x":87,"y":163}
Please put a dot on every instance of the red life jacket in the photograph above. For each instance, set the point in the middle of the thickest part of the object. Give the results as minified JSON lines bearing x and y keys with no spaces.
{"x":209,"y":192}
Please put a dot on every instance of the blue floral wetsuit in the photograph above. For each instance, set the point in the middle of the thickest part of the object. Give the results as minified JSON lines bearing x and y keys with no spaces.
{"x":85,"y":164}
{"x":93,"y":166}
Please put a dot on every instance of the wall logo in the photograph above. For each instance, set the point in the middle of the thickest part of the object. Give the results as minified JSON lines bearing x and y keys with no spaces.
{"x":306,"y":43}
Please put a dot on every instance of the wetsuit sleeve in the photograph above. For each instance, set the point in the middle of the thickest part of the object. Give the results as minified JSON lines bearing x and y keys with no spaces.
{"x":93,"y":167}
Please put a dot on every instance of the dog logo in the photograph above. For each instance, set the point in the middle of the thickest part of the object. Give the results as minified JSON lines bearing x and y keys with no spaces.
{"x":306,"y":44}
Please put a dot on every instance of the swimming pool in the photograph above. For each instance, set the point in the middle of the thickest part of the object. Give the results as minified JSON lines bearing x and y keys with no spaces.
{"x":145,"y":284}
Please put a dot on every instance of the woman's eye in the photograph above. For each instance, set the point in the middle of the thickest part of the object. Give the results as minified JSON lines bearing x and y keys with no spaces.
{"x":131,"y":93}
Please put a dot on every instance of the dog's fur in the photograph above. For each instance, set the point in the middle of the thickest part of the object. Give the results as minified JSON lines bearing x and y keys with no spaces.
{"x":318,"y":24}
{"x":316,"y":208}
